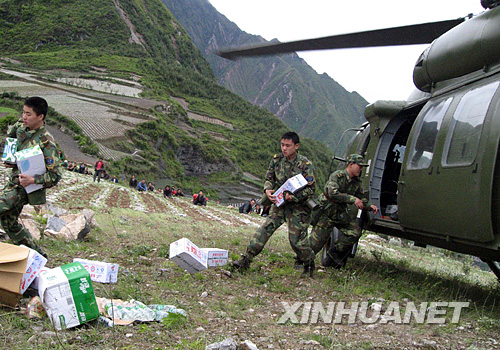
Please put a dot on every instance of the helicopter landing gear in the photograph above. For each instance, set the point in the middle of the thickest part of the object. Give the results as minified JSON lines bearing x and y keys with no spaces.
{"x":493,"y":265}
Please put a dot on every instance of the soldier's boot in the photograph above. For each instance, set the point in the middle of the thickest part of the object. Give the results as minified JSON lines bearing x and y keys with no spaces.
{"x":242,"y":264}
{"x":308,"y":269}
{"x":299,"y":264}
{"x":340,"y":257}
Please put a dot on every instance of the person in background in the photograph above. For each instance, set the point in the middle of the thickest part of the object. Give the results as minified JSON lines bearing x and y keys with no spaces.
{"x":257,"y":210}
{"x":142,"y":187}
{"x":167,"y":192}
{"x":179,"y":193}
{"x":247,"y":207}
{"x":151,"y":187}
{"x":114,"y":179}
{"x":133,"y":182}
{"x":98,"y":169}
{"x":199,"y":199}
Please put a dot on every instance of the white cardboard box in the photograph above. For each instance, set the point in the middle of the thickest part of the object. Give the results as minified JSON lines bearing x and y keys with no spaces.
{"x":35,"y":265}
{"x":216,"y":256}
{"x":293,"y":184}
{"x":188,"y":256}
{"x":100,"y":271}
{"x":68,"y":296}
{"x":30,"y":161}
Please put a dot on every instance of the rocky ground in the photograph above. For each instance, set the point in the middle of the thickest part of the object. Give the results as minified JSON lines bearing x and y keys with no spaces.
{"x":135,"y":229}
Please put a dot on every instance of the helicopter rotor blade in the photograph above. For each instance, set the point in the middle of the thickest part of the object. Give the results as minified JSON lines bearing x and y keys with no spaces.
{"x":414,"y":34}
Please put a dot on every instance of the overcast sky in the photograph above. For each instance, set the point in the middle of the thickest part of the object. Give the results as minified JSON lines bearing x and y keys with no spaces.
{"x":376,"y":73}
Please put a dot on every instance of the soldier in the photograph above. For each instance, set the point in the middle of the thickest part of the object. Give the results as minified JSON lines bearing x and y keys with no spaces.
{"x":30,"y":131}
{"x":294,"y":210}
{"x":343,"y":188}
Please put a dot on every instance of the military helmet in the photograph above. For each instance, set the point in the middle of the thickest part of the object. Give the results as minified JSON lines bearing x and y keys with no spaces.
{"x":357,"y":159}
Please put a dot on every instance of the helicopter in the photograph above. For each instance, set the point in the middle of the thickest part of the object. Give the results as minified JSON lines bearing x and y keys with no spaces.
{"x":433,"y":159}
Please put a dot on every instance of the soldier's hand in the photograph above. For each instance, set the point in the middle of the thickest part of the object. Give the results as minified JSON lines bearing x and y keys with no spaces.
{"x":359,"y":204}
{"x":26,"y":180}
{"x":269,"y":194}
{"x":288,"y":197}
{"x":374,"y":209}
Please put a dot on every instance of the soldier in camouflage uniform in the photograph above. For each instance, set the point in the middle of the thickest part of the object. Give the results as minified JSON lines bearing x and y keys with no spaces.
{"x":30,"y":131}
{"x":343,"y":188}
{"x":294,"y":210}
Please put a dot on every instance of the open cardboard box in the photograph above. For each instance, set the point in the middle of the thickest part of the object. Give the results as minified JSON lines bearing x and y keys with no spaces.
{"x":19,"y":266}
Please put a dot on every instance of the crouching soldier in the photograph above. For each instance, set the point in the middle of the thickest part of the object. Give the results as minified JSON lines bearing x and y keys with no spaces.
{"x":343,"y":188}
{"x":29,"y":131}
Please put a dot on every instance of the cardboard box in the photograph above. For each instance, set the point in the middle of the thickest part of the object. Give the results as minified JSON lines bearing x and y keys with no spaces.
{"x":292,"y":185}
{"x":188,"y":256}
{"x":30,"y":161}
{"x":68,"y":296}
{"x":216,"y":256}
{"x":100,"y":271}
{"x":19,"y":266}
{"x":9,"y":149}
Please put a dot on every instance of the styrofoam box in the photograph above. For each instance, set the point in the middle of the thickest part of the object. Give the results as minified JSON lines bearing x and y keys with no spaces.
{"x":188,"y":256}
{"x":216,"y":256}
{"x":100,"y":271}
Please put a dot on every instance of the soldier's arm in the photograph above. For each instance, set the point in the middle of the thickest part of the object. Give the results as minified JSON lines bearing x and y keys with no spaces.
{"x":333,"y":193}
{"x":52,"y":165}
{"x":361,"y":194}
{"x":270,"y":176}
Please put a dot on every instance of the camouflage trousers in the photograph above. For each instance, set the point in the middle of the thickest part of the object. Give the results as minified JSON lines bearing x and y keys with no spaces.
{"x":12,"y":201}
{"x":323,"y":230}
{"x":297,"y":217}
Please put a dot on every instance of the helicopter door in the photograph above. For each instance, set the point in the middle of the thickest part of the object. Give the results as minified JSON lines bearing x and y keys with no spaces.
{"x":446,"y":183}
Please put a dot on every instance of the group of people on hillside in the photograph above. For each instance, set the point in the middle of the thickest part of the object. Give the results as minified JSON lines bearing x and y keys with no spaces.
{"x":99,"y":171}
{"x":171,"y":191}
{"x":342,"y":188}
{"x":253,"y":207}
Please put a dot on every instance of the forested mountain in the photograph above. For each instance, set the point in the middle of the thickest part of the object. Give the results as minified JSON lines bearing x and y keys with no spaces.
{"x":133,"y":42}
{"x":312,"y":104}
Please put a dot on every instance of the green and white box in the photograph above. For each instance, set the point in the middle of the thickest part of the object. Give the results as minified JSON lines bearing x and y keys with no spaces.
{"x":9,"y":149}
{"x":67,"y":295}
{"x":30,"y":161}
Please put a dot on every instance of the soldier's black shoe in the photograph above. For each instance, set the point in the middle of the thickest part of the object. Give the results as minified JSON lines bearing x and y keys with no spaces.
{"x":308,"y":270}
{"x":338,"y":259}
{"x":299,"y":264}
{"x":242,"y":264}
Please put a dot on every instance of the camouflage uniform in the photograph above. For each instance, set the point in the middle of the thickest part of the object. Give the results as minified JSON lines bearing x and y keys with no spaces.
{"x":340,"y":190}
{"x":13,"y":196}
{"x":295,"y":213}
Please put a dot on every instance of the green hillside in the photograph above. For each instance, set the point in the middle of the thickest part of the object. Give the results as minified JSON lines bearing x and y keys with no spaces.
{"x":312,"y":104}
{"x":142,"y":39}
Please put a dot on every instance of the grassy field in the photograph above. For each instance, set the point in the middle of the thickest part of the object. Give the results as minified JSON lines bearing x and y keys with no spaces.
{"x":135,"y":230}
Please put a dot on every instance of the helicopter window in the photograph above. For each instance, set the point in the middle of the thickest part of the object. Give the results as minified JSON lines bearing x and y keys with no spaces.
{"x":465,"y":132}
{"x":422,"y":149}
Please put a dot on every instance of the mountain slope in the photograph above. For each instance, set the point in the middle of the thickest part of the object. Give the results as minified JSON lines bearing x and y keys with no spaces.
{"x":140,"y":45}
{"x":314,"y":105}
